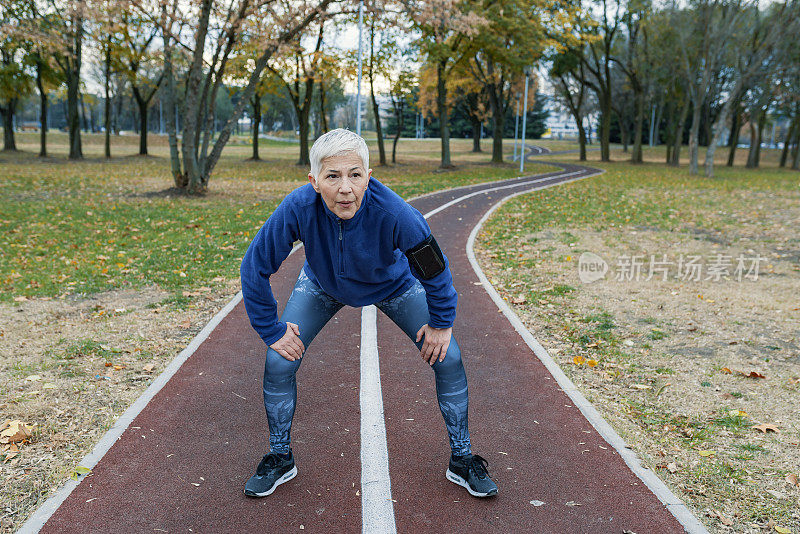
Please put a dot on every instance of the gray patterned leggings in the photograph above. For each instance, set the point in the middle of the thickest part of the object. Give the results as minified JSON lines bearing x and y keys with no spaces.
{"x":311,"y":308}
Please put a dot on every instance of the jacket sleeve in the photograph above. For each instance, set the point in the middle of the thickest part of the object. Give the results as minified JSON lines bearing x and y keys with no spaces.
{"x":411,"y":230}
{"x":271,"y":245}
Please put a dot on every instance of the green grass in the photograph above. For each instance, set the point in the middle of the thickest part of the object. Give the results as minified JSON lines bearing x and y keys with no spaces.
{"x":736,"y":423}
{"x":88,"y":226}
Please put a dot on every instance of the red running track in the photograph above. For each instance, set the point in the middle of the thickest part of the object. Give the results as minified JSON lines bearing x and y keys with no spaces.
{"x":182,"y":464}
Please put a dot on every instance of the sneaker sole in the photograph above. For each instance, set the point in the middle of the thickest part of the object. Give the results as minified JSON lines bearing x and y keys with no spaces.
{"x":454,"y":478}
{"x":285,"y":478}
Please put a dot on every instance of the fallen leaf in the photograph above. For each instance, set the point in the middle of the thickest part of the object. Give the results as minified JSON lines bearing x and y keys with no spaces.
{"x":537,"y":503}
{"x":15,"y":432}
{"x":791,"y":478}
{"x":20,"y":299}
{"x":725,"y":370}
{"x":148,"y":368}
{"x":777,"y":494}
{"x":119,"y":367}
{"x":766,"y":427}
{"x":640,"y":386}
{"x":572,"y":503}
{"x":578,"y":360}
{"x":782,"y":530}
{"x":80,"y":470}
{"x":706,"y":454}
{"x":591,"y":363}
{"x":672,"y":467}
{"x":32,"y":378}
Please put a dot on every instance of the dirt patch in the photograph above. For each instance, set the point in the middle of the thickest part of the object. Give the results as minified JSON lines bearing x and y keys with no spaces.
{"x":70,"y":366}
{"x":664,"y":355}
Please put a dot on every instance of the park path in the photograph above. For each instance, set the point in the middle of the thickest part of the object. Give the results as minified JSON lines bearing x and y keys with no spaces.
{"x":178,"y":463}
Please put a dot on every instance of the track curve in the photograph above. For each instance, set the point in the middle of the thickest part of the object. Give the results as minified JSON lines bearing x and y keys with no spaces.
{"x":181,"y":463}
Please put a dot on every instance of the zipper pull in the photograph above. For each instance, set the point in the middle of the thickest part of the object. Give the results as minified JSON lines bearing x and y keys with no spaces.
{"x":340,"y":230}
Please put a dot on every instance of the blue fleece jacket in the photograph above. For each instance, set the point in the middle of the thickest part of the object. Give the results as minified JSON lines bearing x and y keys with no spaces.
{"x":358,"y":261}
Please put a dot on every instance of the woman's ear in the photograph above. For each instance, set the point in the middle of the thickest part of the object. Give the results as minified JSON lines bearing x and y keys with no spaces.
{"x":313,"y":182}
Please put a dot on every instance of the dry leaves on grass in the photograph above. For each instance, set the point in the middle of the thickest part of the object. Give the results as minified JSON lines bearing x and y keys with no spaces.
{"x":13,"y":434}
{"x":751,"y":374}
{"x":766,"y":427}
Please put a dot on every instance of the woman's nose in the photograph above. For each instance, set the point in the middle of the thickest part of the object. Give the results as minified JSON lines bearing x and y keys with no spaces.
{"x":346,"y":185}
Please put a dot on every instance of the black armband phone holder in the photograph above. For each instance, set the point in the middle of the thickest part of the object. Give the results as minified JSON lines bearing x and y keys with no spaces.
{"x":426,"y":258}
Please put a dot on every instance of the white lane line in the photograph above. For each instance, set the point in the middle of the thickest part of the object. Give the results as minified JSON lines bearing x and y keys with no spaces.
{"x":377,"y":507}
{"x":36,"y":521}
{"x":482,"y":191}
{"x":651,"y":480}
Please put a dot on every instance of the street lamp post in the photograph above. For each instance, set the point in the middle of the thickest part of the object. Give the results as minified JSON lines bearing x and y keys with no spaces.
{"x":358,"y":97}
{"x":516,"y":129}
{"x":524,"y":116}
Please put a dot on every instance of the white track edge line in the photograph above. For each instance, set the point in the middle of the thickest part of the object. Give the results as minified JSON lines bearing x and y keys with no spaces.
{"x":42,"y":514}
{"x":678,"y":509}
{"x":377,"y":507}
{"x":467,"y":186}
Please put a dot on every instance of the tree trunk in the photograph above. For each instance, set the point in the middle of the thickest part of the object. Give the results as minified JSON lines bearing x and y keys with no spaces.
{"x":694,"y":133}
{"x":322,"y":114}
{"x":762,"y":120}
{"x":788,"y":140}
{"x":721,"y":125}
{"x":398,"y":113}
{"x":375,"y":109}
{"x":142,"y":104}
{"x":581,"y":139}
{"x":107,"y":108}
{"x":733,"y":137}
{"x":304,"y":127}
{"x":42,"y":110}
{"x":476,"y":134}
{"x":605,"y":126}
{"x":636,"y":156}
{"x":179,"y":178}
{"x":256,"y":125}
{"x":378,"y":128}
{"x":796,"y":150}
{"x":623,"y":132}
{"x":678,"y":141}
{"x":751,"y":154}
{"x":9,"y":143}
{"x":83,"y":114}
{"x":198,"y":175}
{"x":441,"y":102}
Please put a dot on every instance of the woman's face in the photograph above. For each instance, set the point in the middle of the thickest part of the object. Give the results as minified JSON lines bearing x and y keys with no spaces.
{"x":342,"y":181}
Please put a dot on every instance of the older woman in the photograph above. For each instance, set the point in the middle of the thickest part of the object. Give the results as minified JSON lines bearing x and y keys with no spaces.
{"x":364,"y":245}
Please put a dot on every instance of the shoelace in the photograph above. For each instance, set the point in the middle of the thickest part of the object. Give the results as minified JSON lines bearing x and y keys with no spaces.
{"x":478,"y":464}
{"x":267,"y":462}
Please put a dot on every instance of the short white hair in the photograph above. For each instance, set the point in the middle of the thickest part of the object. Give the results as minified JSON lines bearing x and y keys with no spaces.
{"x":335,"y":143}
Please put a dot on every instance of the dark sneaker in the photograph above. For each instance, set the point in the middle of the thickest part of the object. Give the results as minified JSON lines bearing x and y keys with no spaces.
{"x":271,"y":472}
{"x":470,"y":471}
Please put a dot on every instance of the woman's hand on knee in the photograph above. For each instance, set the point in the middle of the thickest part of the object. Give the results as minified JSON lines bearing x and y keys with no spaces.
{"x":437,"y":340}
{"x":290,"y":346}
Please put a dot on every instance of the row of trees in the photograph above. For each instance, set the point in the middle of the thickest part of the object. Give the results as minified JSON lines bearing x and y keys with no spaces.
{"x":700,"y":69}
{"x":708,"y":64}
